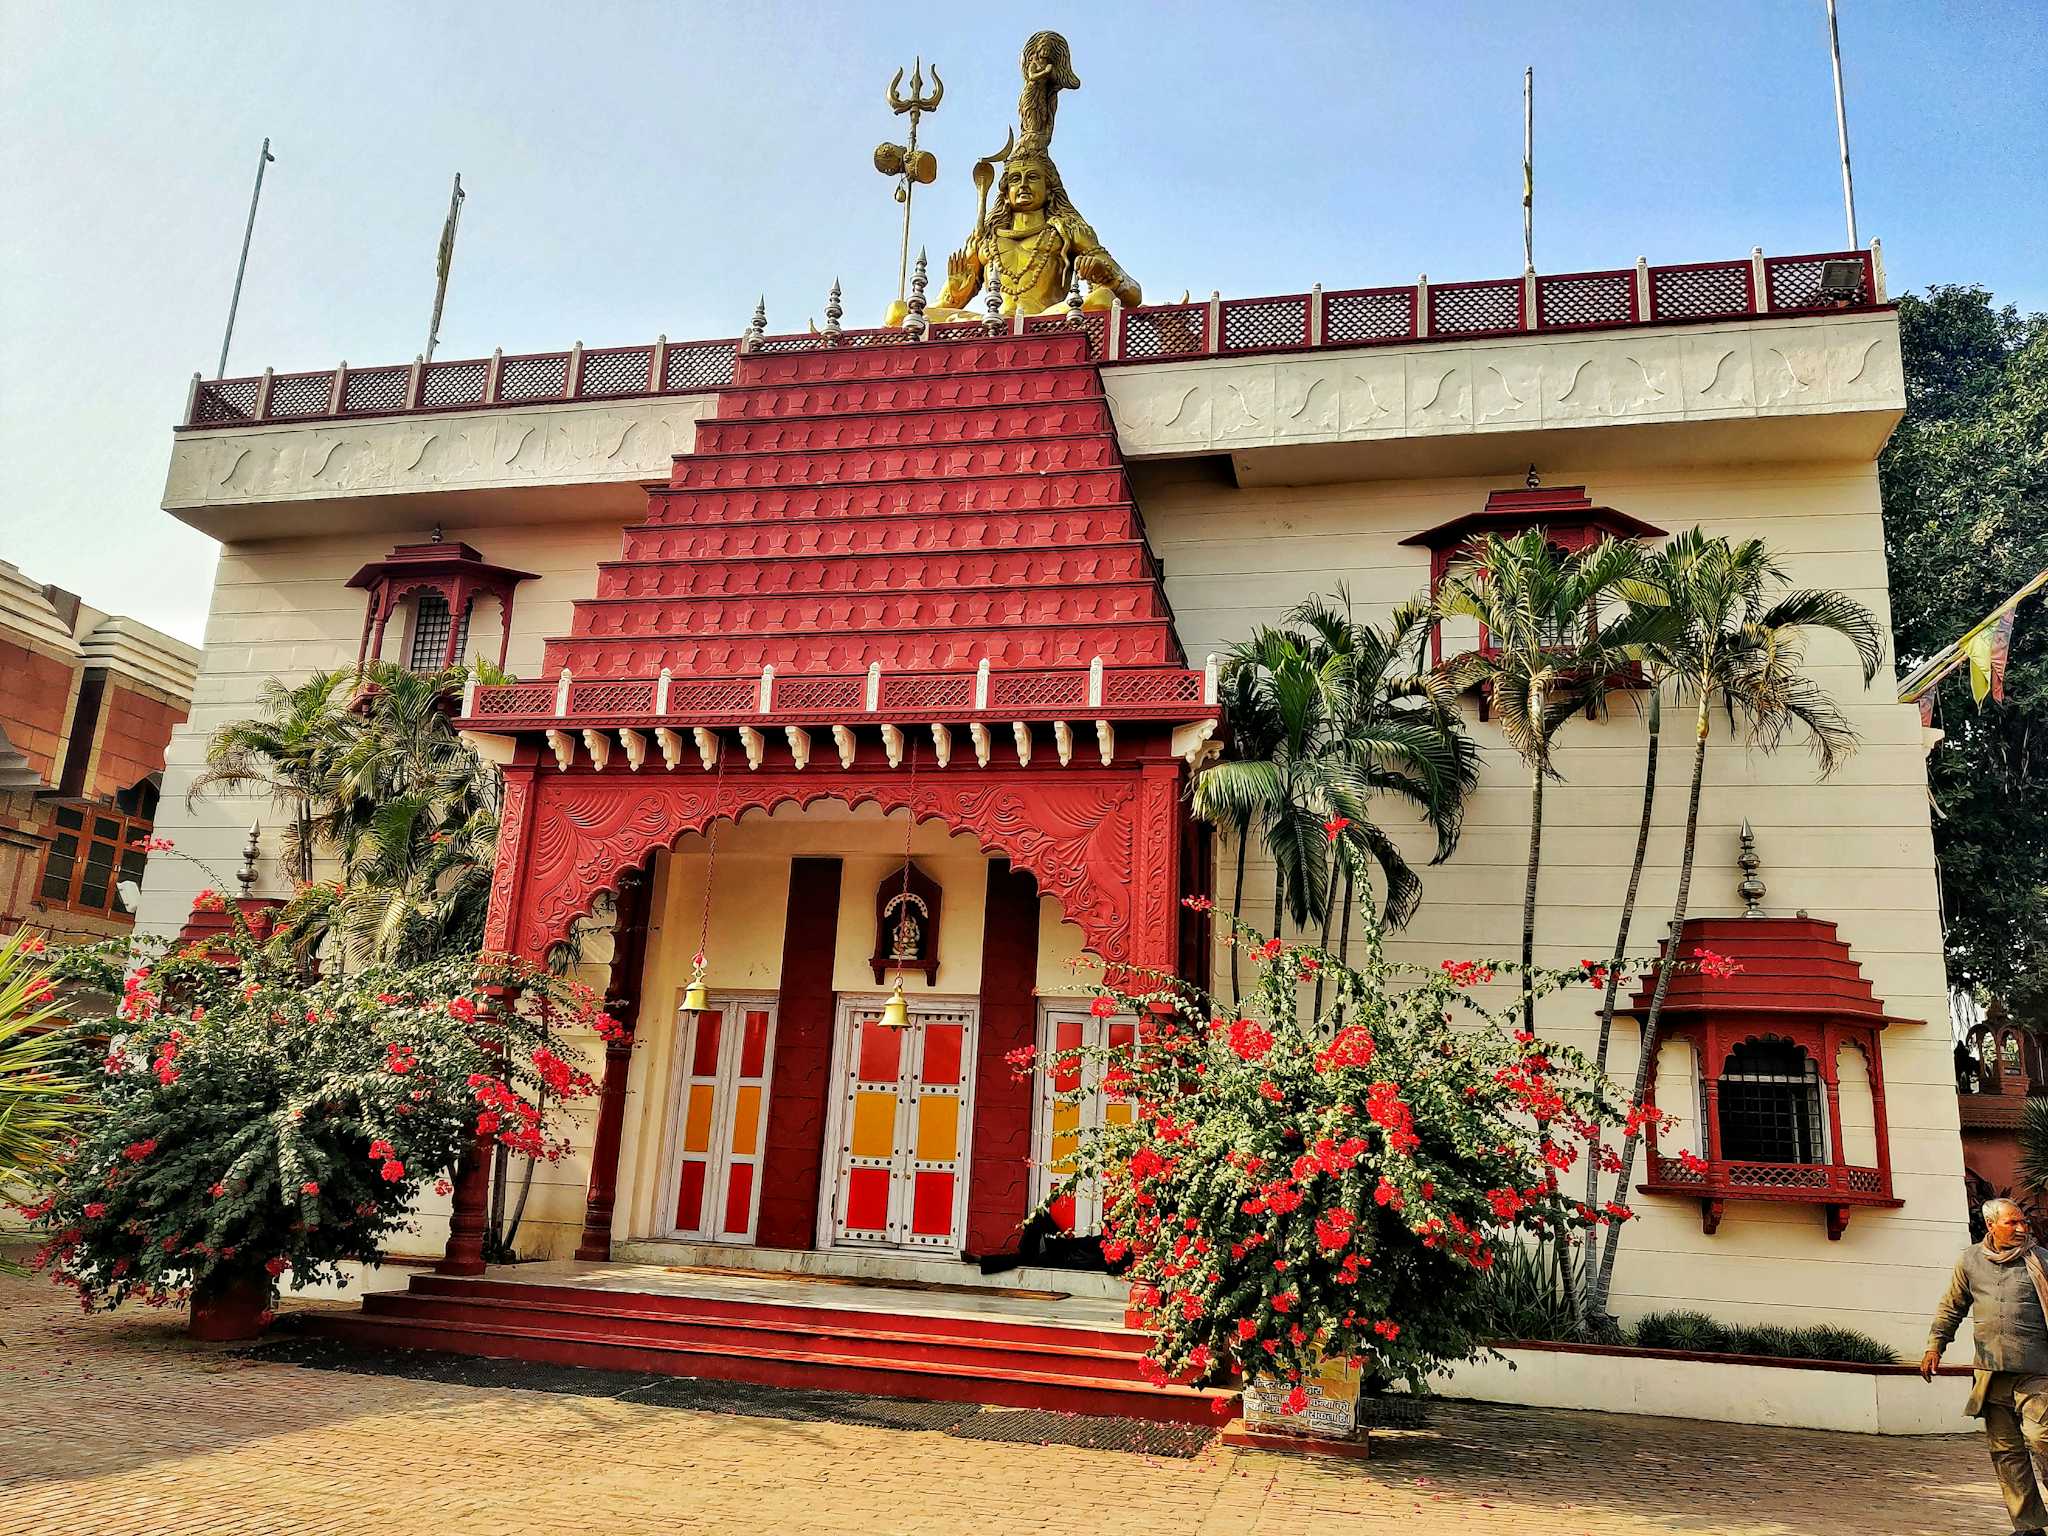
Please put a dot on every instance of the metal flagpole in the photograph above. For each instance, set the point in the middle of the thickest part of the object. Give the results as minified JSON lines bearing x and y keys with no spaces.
{"x":1842,"y":124}
{"x":248,"y":232}
{"x":1529,"y":169}
{"x":443,"y":262}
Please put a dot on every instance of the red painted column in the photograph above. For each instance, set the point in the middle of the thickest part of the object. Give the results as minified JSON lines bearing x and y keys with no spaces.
{"x":999,"y":1178}
{"x":794,"y":1155}
{"x":622,"y":1002}
{"x":1155,"y":876}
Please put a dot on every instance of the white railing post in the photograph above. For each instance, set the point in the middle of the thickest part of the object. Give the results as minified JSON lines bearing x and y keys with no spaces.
{"x":1095,"y":683}
{"x":1643,"y":289}
{"x":1760,"y":298}
{"x":572,"y":376}
{"x":192,"y":401}
{"x":874,"y":696}
{"x":1877,"y":288}
{"x":661,"y":687}
{"x":562,"y":693}
{"x":1214,"y":323}
{"x":657,"y":366}
{"x":339,"y":392}
{"x":1422,"y":304}
{"x":263,"y":396}
{"x":1113,"y":339}
{"x":1315,"y":315}
{"x":1211,"y":679}
{"x":491,"y":375}
{"x":767,"y":689}
{"x":416,"y":383}
{"x":1529,"y":301}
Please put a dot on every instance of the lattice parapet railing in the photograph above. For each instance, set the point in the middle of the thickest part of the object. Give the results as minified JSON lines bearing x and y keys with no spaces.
{"x":1422,"y":311}
{"x":1139,"y":693}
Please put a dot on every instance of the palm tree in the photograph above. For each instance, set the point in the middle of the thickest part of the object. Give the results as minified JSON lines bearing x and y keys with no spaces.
{"x":285,"y":750}
{"x":378,"y":777}
{"x":1322,"y":721}
{"x":1395,"y":725}
{"x":1254,"y":736}
{"x":1546,"y":657}
{"x":1725,"y":645}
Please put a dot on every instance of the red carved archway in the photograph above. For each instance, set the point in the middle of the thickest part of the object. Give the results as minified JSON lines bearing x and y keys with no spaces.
{"x":1104,"y":842}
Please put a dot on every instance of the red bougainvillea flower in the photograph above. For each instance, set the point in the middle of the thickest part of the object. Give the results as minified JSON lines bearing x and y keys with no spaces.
{"x":1296,"y":1401}
{"x":392,"y":1171}
{"x":309,"y":1188}
{"x":1250,"y":1040}
{"x":1334,"y":827}
{"x":95,"y":1210}
{"x":1022,"y":1058}
{"x":1691,"y":1161}
{"x":1351,"y":1047}
{"x":1714,"y":964}
{"x":1268,"y":950}
{"x":1103,"y":1007}
{"x":218,"y":1191}
{"x":442,"y":1186}
{"x":462,"y":1008}
{"x":1197,"y":903}
{"x":1596,"y":973}
{"x":1468,"y":973}
{"x":275,"y":1267}
{"x":136,"y":1151}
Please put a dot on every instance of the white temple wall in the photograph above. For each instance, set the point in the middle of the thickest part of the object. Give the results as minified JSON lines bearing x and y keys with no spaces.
{"x":1856,"y":849}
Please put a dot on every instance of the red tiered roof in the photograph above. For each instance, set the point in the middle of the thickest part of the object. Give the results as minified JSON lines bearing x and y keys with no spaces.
{"x":921,"y":507}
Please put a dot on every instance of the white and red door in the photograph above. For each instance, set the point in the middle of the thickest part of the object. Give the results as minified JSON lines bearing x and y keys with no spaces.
{"x":727,"y":1053}
{"x":1072,"y":1102}
{"x":902,"y":1116}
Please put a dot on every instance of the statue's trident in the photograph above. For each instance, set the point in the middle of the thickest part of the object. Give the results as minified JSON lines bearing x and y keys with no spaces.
{"x":913,"y":167}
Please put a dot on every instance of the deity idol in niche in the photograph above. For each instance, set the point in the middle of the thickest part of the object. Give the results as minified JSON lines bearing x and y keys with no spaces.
{"x":1033,"y":245}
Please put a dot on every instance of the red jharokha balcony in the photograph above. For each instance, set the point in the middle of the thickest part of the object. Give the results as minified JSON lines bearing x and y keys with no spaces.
{"x":1785,"y":1101}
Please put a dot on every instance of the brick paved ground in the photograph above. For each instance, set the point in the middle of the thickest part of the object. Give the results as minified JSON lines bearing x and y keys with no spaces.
{"x":118,"y":1427}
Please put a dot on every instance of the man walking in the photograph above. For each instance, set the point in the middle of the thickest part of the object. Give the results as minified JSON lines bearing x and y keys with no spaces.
{"x":2004,"y":1283}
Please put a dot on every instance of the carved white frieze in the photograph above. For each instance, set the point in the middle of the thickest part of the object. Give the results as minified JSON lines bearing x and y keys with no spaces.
{"x":574,"y":443}
{"x":1641,"y":374}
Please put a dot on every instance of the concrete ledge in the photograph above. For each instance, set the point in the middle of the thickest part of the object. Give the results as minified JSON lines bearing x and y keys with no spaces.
{"x":1737,"y":1389}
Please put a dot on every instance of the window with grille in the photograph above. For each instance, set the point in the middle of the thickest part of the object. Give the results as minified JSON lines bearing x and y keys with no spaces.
{"x":91,"y":852}
{"x":430,"y":624}
{"x":1770,"y":1105}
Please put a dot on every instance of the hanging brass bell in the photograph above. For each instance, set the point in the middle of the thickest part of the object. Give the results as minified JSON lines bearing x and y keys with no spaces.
{"x":697,"y":999}
{"x":896,"y":1011}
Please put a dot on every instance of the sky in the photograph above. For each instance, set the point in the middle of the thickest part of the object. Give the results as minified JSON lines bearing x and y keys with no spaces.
{"x":643,"y":168}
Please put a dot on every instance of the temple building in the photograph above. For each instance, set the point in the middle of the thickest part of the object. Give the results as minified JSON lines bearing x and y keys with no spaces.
{"x":878,"y":657}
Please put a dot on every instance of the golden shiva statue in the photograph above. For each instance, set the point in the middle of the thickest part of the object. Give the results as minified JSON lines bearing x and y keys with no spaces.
{"x":1033,"y":247}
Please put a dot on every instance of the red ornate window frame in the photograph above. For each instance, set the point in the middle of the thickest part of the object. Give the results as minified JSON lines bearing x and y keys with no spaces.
{"x":1568,"y":517}
{"x":455,"y":571}
{"x":1797,"y":983}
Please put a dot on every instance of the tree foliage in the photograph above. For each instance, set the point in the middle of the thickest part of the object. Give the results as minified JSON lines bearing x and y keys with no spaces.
{"x":1965,"y":480}
{"x":1293,"y":1188}
{"x":255,"y":1117}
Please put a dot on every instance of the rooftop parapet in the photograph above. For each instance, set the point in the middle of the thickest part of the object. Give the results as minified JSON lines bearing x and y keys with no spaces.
{"x":1422,"y":311}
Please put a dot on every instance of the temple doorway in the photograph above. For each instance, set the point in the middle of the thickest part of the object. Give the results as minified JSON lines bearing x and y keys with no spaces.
{"x":899,"y":1123}
{"x":725,"y":1057}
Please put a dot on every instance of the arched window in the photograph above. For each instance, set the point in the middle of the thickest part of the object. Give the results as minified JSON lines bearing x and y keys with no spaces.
{"x":1770,"y":1105}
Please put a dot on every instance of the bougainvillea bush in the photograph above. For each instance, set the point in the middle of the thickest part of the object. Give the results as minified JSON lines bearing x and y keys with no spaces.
{"x":259,"y":1118}
{"x":1294,"y":1189}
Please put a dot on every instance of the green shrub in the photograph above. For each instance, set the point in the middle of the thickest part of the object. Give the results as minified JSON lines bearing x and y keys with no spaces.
{"x":1701,"y":1334}
{"x":1682,"y":1330}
